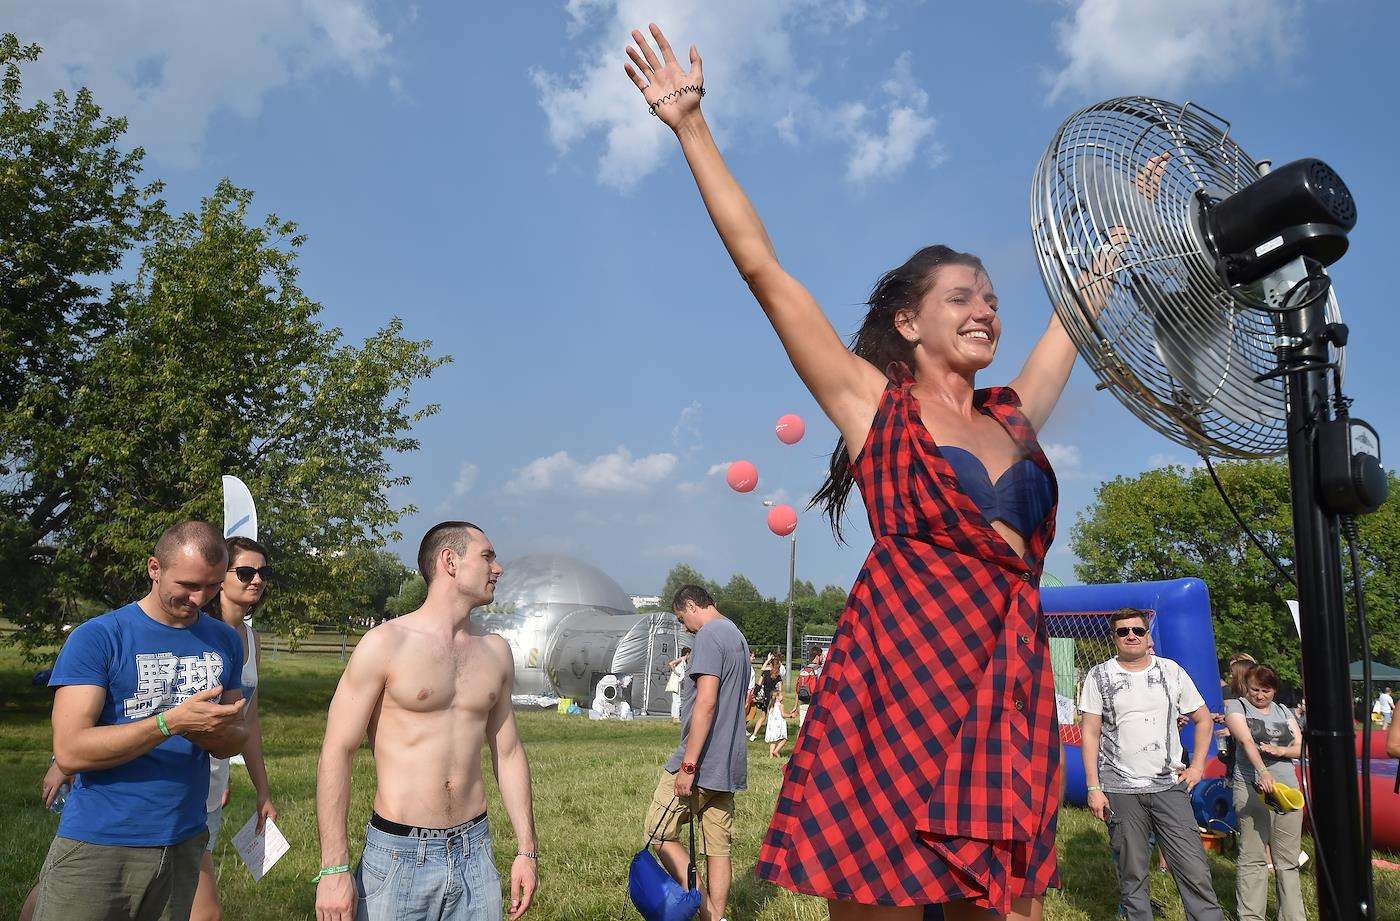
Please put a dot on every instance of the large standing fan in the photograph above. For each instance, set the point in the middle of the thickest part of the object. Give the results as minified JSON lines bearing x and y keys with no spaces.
{"x":1191,"y":278}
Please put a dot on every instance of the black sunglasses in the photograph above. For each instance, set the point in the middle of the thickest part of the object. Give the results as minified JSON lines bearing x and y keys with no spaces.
{"x":246,"y":573}
{"x":1121,"y":631}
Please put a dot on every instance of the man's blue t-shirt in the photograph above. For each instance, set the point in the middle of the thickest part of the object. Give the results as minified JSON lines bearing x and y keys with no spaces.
{"x":146,"y":667}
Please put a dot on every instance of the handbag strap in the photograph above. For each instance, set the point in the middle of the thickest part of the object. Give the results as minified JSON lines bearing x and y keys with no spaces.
{"x":690,"y":875}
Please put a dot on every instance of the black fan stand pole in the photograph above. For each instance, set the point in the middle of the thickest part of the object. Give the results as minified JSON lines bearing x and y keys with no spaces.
{"x":1331,"y":738}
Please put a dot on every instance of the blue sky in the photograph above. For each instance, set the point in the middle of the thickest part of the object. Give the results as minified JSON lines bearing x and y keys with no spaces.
{"x":487,"y":172}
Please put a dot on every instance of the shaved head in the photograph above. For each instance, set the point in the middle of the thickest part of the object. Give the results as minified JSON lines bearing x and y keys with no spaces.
{"x":453,"y":535}
{"x":199,"y":536}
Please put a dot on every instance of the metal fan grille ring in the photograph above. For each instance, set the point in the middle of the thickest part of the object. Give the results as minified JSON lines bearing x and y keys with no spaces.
{"x":1134,"y":285}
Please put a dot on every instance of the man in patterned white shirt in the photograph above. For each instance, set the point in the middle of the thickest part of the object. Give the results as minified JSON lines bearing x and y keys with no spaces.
{"x":1138,"y":780}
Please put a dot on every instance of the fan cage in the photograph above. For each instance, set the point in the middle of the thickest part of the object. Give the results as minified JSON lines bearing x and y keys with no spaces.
{"x":1133,"y":281}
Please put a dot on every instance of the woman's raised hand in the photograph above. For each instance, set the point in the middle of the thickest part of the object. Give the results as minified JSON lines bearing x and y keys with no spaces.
{"x":1149,"y":179}
{"x":671,"y":92}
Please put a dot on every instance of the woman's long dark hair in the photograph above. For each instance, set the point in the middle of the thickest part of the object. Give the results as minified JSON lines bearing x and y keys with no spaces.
{"x":877,"y":341}
{"x":236,"y":545}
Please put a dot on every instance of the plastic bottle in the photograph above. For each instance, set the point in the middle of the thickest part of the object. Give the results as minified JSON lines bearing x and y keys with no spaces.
{"x":60,"y":798}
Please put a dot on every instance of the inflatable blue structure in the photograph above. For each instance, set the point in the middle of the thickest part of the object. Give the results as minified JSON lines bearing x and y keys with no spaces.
{"x":1180,"y":628}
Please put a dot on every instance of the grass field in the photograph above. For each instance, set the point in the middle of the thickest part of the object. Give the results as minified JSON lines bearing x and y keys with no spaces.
{"x":591,"y":783}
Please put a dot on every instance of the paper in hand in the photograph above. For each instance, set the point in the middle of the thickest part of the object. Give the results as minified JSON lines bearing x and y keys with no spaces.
{"x":260,"y":852}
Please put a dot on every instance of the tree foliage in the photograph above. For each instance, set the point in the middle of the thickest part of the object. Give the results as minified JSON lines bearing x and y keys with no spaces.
{"x":381,"y":577}
{"x":763,"y":620}
{"x":1171,"y":523}
{"x":739,"y":589}
{"x":411,"y":595}
{"x":683,"y":574}
{"x":211,"y":361}
{"x":71,"y":205}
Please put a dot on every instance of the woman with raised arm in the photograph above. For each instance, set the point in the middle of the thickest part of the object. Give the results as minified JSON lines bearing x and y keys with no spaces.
{"x":928,"y":767}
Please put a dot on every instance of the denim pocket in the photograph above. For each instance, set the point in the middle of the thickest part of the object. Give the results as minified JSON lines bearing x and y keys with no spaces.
{"x":485,"y":854}
{"x":378,"y":867}
{"x":483,"y":881}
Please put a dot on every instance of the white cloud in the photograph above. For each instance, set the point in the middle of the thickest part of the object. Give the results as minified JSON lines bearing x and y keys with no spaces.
{"x":685,"y":434}
{"x":695,"y":487}
{"x":1120,"y":47}
{"x":886,"y":137}
{"x":614,"y":472}
{"x":1062,"y":456}
{"x":466,"y":479}
{"x":881,"y":156}
{"x":1159,"y":460}
{"x":1068,"y":462}
{"x":751,"y":64}
{"x":171,"y":66}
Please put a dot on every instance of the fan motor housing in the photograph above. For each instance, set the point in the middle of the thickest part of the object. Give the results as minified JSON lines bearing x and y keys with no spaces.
{"x":1300,"y":209}
{"x":1350,"y":474}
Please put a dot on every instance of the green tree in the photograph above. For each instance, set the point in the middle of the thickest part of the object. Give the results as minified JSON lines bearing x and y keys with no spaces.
{"x":1171,"y":523}
{"x":803,"y":588}
{"x":411,"y":595}
{"x":216,"y":363}
{"x":381,"y":575}
{"x":832,"y":601}
{"x":765,"y":623}
{"x":71,"y":207}
{"x":680,"y":575}
{"x":739,"y":590}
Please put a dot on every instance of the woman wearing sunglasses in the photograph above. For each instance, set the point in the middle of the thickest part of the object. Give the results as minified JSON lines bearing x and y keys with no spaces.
{"x":243,"y":592}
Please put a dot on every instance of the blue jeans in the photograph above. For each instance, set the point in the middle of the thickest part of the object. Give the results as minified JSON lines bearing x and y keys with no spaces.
{"x":401,"y":878}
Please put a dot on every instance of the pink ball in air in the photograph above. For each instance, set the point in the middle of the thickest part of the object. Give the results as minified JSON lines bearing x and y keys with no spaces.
{"x":790,"y":429}
{"x":742,"y":476}
{"x":782,"y":520}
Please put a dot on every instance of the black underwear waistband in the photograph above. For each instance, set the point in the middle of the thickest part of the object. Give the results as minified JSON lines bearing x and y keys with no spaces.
{"x":414,"y":831}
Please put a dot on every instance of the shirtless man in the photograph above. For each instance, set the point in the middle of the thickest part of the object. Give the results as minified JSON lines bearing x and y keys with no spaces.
{"x":429,"y":691}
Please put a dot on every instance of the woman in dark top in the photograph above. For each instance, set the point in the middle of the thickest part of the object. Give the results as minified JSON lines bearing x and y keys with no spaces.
{"x":768,"y":679}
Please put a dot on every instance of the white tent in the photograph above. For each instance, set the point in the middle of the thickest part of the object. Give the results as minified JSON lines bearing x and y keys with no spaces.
{"x":643,"y":652}
{"x":581,"y":648}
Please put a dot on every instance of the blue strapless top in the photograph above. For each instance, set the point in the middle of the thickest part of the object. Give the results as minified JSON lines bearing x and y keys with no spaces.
{"x":1022,"y":497}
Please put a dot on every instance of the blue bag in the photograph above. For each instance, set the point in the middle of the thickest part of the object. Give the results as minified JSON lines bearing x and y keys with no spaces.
{"x":657,"y":896}
{"x":1214,"y":805}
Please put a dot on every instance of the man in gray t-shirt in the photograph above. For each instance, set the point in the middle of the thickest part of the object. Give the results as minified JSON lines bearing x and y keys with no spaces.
{"x":711,"y":761}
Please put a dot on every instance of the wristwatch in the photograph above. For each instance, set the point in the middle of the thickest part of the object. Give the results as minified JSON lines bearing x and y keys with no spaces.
{"x":688,"y":767}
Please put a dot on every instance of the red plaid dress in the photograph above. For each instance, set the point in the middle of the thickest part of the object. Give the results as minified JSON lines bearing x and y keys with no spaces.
{"x":928,"y":767}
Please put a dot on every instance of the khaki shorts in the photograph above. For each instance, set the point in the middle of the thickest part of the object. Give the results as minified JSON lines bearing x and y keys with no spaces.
{"x":715,"y":808}
{"x":84,"y":880}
